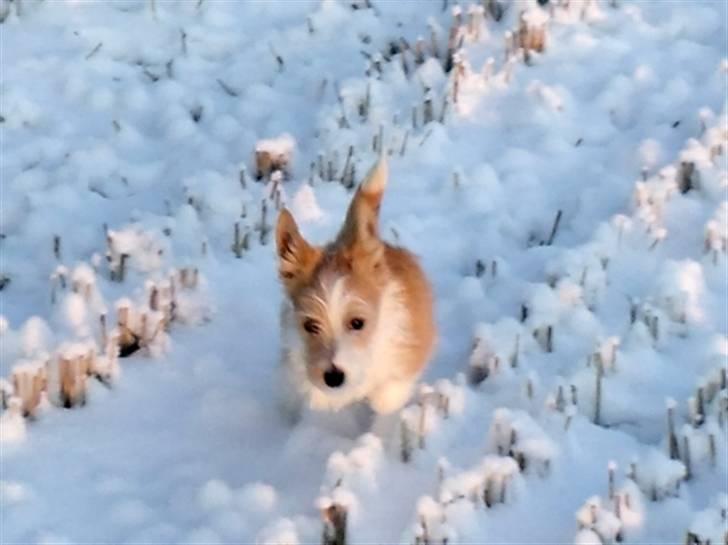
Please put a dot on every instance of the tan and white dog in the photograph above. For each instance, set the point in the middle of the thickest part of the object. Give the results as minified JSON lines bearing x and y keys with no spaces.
{"x":357,"y":320}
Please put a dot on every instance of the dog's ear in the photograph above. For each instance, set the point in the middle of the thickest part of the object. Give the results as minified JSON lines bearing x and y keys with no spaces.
{"x":361,"y":226}
{"x":296,"y":257}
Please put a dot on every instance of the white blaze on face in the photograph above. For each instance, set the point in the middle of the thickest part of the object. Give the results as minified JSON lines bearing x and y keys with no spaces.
{"x":349,"y":356}
{"x":374,"y":363}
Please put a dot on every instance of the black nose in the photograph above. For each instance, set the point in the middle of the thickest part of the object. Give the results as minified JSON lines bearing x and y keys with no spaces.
{"x":334,"y":377}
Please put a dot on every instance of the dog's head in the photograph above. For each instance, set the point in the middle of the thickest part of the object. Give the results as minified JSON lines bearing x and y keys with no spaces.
{"x":337,"y":290}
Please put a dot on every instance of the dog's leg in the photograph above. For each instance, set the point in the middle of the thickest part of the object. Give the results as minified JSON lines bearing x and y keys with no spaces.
{"x":390,"y":396}
{"x":386,"y":402}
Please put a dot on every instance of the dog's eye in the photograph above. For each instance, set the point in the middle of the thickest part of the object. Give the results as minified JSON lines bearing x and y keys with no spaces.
{"x":311,"y":326}
{"x":356,"y":324}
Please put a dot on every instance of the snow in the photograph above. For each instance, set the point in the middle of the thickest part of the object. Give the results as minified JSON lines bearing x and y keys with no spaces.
{"x":284,"y":531}
{"x":13,"y":492}
{"x":257,"y":498}
{"x":570,"y":208}
{"x":535,"y":17}
{"x":587,"y":537}
{"x":215,"y":494}
{"x":282,"y":145}
{"x":12,"y":422}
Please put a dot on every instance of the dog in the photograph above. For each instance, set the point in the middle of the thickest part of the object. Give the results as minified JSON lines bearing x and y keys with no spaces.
{"x":357,"y":317}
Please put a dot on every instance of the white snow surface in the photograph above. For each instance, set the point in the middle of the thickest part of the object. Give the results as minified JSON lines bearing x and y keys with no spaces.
{"x":124,"y":129}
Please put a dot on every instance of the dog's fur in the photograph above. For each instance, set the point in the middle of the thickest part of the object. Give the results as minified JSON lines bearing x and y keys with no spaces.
{"x":357,"y":306}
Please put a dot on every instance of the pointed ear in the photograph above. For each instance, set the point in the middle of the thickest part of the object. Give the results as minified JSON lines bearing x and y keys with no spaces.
{"x":296,"y":257}
{"x":361,"y":226}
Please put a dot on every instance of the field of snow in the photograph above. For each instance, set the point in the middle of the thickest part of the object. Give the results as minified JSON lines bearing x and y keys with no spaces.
{"x":558,"y":166}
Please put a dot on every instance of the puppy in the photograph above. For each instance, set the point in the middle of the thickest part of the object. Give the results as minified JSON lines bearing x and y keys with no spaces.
{"x":357,"y":317}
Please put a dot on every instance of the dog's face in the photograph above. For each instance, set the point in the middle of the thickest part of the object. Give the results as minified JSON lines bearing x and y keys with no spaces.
{"x":336,"y":291}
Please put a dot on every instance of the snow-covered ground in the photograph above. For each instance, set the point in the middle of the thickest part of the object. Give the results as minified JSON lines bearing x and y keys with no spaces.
{"x":568,"y":205}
